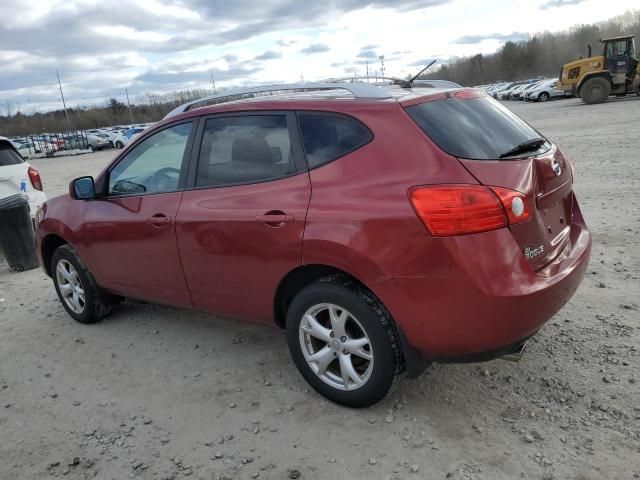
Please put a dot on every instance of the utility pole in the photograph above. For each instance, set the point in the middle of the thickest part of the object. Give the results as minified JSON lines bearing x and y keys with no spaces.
{"x":126,"y":91}
{"x":213,"y":83}
{"x":367,"y":67}
{"x":64,"y":105}
{"x":381,"y":58}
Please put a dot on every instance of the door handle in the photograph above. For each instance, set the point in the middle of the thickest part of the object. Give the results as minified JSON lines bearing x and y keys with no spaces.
{"x":275,"y":218}
{"x":159,"y":220}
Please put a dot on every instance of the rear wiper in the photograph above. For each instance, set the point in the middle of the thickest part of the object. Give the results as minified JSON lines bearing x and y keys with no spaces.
{"x":527,"y":146}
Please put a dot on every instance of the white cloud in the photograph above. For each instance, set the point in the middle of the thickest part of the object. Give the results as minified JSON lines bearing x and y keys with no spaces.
{"x":152,"y":45}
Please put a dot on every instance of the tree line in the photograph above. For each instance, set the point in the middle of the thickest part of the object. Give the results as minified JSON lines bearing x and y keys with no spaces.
{"x":543,"y":54}
{"x":150,"y":108}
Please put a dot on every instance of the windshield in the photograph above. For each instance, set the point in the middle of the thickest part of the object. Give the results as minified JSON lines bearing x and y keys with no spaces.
{"x":477,"y":128}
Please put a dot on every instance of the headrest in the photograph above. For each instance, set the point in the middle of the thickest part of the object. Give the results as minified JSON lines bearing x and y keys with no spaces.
{"x":251,"y":150}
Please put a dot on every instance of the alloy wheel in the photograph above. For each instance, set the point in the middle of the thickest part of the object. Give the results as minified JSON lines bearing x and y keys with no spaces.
{"x":336,"y":346}
{"x":70,"y":286}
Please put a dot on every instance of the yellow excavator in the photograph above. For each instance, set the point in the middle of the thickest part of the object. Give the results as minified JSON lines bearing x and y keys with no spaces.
{"x":594,"y":78}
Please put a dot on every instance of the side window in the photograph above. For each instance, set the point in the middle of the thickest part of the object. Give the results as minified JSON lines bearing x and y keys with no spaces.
{"x":153,"y":166}
{"x":326,"y":137}
{"x":244,"y":149}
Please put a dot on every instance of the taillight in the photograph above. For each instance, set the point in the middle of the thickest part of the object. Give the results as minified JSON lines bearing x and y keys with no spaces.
{"x":458,"y":209}
{"x":449,"y":210}
{"x":34,"y":176}
{"x":514,"y":204}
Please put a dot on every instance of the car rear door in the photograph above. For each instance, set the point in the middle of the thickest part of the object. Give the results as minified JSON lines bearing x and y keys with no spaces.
{"x":241,"y":221}
{"x":130,"y":232}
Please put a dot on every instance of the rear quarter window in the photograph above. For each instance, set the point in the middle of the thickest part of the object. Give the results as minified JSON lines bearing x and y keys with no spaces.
{"x":8,"y":156}
{"x":327,"y":137}
{"x":476,"y":128}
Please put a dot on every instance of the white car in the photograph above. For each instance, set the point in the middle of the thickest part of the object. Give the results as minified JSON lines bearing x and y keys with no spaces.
{"x":17,"y":176}
{"x":98,"y":142}
{"x":546,"y":90}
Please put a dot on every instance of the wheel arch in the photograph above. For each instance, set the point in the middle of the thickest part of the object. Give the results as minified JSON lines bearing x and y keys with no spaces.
{"x":296,"y":280}
{"x":50,"y":243}
{"x":413,"y":362}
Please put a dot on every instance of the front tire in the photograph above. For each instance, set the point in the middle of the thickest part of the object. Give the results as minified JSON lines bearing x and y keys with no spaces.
{"x":344,"y":342}
{"x":543,"y":97}
{"x":595,"y":90}
{"x":76,"y":288}
{"x":119,"y":145}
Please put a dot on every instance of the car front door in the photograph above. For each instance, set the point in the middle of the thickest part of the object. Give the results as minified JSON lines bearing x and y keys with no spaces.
{"x":130,"y":232}
{"x":241,"y":221}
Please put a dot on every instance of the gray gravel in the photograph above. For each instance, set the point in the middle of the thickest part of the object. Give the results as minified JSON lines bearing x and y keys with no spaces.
{"x":161,"y":393}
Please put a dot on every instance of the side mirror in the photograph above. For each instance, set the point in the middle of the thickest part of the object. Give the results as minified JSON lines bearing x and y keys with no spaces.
{"x":82,"y":188}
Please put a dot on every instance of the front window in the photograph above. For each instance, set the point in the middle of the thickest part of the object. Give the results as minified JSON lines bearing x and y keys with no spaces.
{"x":154,"y":165}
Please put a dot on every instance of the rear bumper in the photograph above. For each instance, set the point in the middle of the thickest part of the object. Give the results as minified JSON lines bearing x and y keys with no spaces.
{"x":491,"y":299}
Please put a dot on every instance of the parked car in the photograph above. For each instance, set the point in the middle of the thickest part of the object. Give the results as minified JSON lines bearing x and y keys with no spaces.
{"x":76,"y":142}
{"x":120,"y":140}
{"x":506,"y":93}
{"x":26,"y":151}
{"x":492,"y":90}
{"x":499,"y":90}
{"x":17,"y":175}
{"x":514,"y":94}
{"x":523,"y":92}
{"x":545,"y":90}
{"x":441,"y":228}
{"x":98,"y":142}
{"x":133,"y":131}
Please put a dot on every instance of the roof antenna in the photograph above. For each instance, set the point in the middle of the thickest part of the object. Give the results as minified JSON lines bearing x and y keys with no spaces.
{"x":409,"y":83}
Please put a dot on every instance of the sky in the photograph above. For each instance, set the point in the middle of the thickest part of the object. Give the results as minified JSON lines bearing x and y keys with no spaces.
{"x":102,"y":48}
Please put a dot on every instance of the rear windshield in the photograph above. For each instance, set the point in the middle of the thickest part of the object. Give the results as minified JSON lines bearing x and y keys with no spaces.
{"x":477,"y":128}
{"x":8,"y":156}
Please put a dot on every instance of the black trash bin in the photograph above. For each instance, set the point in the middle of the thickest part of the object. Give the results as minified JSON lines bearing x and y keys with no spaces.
{"x":16,"y":233}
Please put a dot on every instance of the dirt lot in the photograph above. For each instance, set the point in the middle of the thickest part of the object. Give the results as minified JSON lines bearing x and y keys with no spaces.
{"x":155,"y":392}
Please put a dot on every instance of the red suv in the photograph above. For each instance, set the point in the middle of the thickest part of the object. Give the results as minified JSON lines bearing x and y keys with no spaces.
{"x":383,"y":229}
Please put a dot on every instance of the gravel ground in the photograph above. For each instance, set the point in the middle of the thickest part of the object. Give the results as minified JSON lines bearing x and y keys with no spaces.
{"x":156,"y":392}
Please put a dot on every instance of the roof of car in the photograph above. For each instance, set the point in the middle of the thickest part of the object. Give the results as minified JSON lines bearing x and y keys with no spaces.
{"x":290,"y":98}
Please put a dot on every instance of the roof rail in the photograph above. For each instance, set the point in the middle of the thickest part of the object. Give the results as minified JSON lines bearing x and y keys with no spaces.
{"x":360,"y":79}
{"x":358,"y":90}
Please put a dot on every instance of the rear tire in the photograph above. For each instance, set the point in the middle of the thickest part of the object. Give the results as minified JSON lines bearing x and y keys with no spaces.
{"x":77,"y":290}
{"x":119,"y":145}
{"x":344,"y":342}
{"x":595,"y":90}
